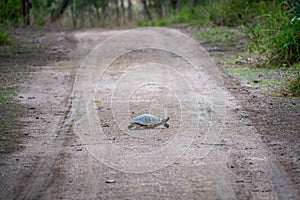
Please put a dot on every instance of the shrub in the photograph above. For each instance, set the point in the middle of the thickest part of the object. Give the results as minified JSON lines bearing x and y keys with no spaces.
{"x":10,"y":12}
{"x":4,"y":39}
{"x":276,"y":35}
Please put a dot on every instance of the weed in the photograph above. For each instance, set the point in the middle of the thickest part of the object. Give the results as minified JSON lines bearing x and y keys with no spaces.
{"x":96,"y":101}
{"x":276,"y":35}
{"x":4,"y":38}
{"x":223,"y":37}
{"x":3,"y":123}
{"x":295,"y":87}
{"x":294,"y":83}
{"x":6,"y":95}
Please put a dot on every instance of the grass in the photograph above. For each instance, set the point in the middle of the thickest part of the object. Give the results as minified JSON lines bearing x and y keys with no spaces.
{"x":5,"y":39}
{"x":273,"y":27}
{"x":256,"y":77}
{"x":187,"y":15}
{"x":6,"y":95}
{"x":293,"y":87}
{"x":3,"y":123}
{"x":9,"y":138}
{"x":223,"y":37}
{"x":276,"y":35}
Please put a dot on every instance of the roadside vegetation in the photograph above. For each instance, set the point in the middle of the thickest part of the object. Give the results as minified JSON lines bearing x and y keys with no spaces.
{"x":263,"y":33}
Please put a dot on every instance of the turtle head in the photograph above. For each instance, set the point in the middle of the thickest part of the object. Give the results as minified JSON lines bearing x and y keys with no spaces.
{"x":165,"y":122}
{"x":167,"y":119}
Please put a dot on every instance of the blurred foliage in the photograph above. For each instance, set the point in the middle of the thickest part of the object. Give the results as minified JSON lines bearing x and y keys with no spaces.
{"x":294,"y":82}
{"x":10,"y":12}
{"x":276,"y":35}
{"x":271,"y":26}
{"x":4,"y":39}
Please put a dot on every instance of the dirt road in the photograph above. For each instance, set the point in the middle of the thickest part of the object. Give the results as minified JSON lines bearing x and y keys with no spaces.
{"x":80,"y":147}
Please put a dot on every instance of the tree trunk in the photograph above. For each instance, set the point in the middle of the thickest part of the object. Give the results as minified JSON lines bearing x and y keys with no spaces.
{"x":123,"y":12}
{"x":159,"y":9}
{"x":196,"y":2}
{"x":96,"y":6}
{"x":129,"y":10}
{"x":73,"y":13}
{"x":117,"y":10}
{"x":26,"y":12}
{"x":146,"y":9}
{"x":91,"y":16}
{"x":174,"y":4}
{"x":104,"y":10}
{"x":60,"y":11}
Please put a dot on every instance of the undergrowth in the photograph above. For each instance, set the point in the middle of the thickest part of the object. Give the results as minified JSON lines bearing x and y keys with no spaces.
{"x":4,"y":38}
{"x":294,"y":83}
{"x":6,"y":95}
{"x":276,"y":35}
{"x":272,"y":28}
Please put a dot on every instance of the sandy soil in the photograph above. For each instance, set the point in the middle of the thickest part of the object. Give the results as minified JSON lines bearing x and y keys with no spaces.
{"x":76,"y":104}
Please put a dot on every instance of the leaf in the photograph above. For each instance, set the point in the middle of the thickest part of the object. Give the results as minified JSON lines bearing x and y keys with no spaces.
{"x":96,"y":101}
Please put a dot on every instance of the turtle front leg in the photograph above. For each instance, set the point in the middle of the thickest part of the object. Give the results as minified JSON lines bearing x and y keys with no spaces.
{"x":166,"y":125}
{"x":131,"y":125}
{"x":139,"y":127}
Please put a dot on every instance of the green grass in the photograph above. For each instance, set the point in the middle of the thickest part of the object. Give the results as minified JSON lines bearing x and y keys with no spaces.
{"x":6,"y":95}
{"x":223,"y":37}
{"x":96,"y":101}
{"x":276,"y":35}
{"x":294,"y":87}
{"x":3,"y":123}
{"x":187,"y":15}
{"x":5,"y":39}
{"x":294,"y":83}
{"x":250,"y":74}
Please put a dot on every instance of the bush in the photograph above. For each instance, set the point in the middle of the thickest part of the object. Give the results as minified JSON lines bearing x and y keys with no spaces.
{"x":4,"y":39}
{"x":276,"y":35}
{"x":294,"y":87}
{"x":10,"y":12}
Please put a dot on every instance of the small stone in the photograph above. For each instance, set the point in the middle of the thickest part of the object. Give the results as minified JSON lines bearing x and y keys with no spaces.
{"x":109,"y":181}
{"x":78,"y":148}
{"x":105,"y":125}
{"x":256,"y":80}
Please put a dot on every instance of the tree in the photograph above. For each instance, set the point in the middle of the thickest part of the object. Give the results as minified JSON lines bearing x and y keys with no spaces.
{"x":64,"y":4}
{"x":26,"y":12}
{"x":129,"y":10}
{"x":146,"y":9}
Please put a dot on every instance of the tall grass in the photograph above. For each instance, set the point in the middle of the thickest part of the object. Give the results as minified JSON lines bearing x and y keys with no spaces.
{"x":272,"y":27}
{"x":276,"y":35}
{"x":4,"y":38}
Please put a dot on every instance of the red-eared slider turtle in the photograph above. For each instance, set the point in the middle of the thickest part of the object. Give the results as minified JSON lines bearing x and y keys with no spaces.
{"x":148,"y":121}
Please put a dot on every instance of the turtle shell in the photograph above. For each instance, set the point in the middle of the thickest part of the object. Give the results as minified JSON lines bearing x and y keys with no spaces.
{"x":146,"y":120}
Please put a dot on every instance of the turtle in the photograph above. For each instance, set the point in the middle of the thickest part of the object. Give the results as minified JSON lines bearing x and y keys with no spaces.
{"x":148,"y":121}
